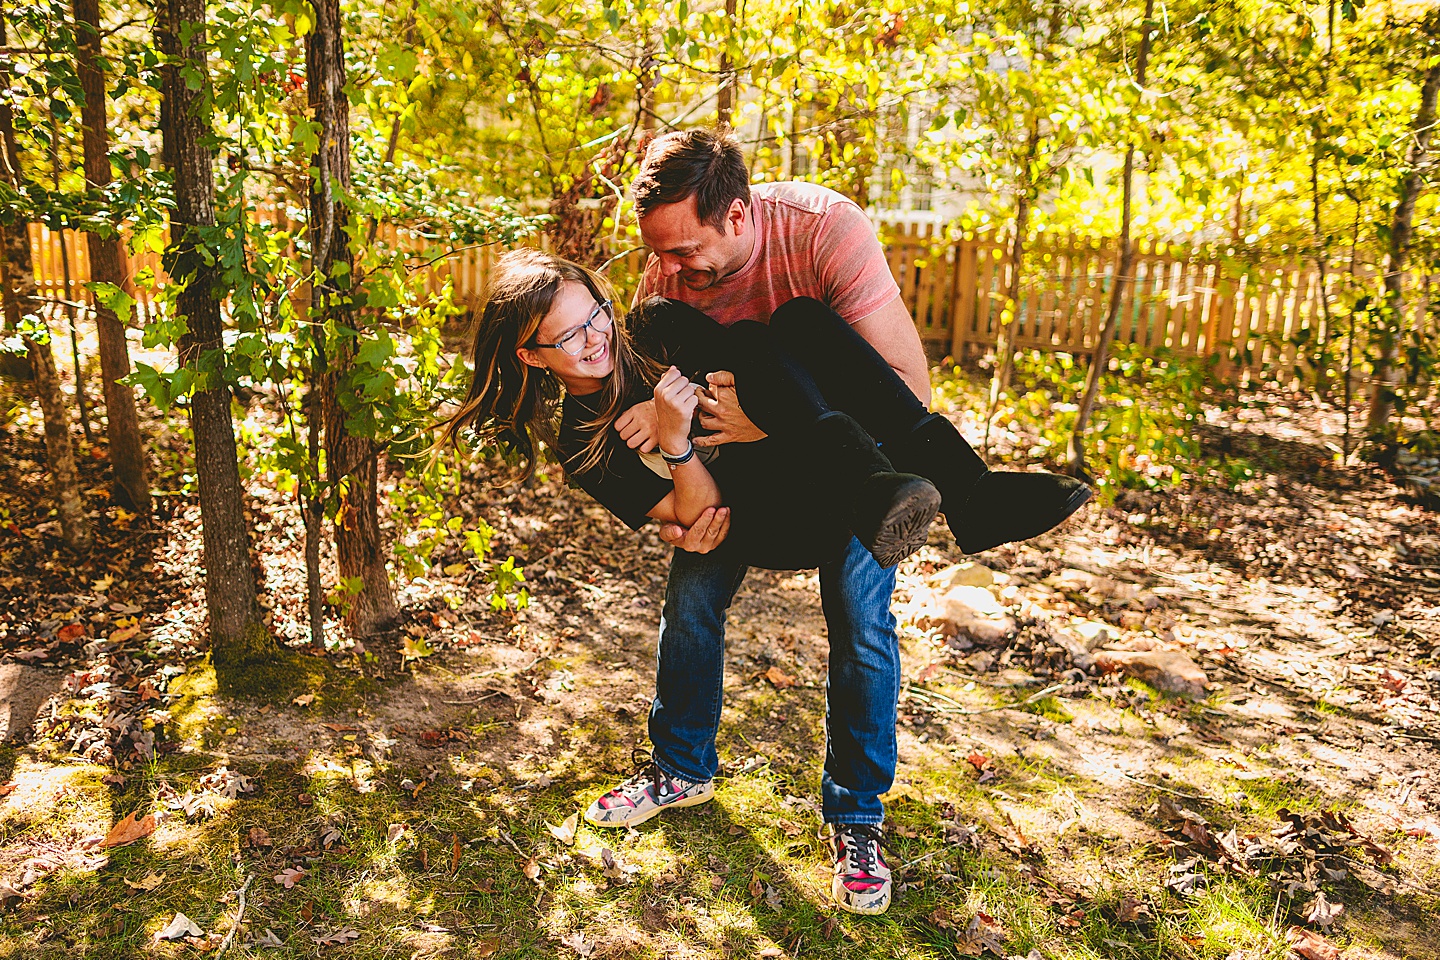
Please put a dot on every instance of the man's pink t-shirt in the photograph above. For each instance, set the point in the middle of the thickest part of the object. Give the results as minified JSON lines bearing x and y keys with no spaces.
{"x":810,"y":242}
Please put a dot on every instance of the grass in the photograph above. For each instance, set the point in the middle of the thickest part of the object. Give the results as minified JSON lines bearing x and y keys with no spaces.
{"x":1059,"y":854}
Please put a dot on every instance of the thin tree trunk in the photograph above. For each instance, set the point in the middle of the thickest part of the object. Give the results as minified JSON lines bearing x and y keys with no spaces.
{"x":1322,"y":266}
{"x":1125,"y":265}
{"x":237,"y":633}
{"x":107,"y":265}
{"x":1382,"y":398}
{"x":352,"y":462}
{"x":17,"y":286}
{"x":69,"y":291}
{"x":80,"y":401}
{"x":725,"y":96}
{"x":59,"y":452}
{"x":1004,"y":340}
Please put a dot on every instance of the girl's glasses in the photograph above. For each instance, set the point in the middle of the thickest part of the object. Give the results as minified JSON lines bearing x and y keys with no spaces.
{"x":573,"y":343}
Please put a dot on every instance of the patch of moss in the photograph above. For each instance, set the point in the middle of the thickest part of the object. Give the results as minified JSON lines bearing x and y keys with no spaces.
{"x":1051,"y":709}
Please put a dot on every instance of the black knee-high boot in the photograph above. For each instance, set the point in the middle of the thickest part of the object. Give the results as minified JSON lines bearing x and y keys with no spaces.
{"x":983,"y":507}
{"x":889,"y":512}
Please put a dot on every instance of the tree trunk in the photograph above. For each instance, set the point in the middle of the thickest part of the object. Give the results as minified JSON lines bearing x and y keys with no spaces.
{"x":17,"y":286}
{"x":59,"y":452}
{"x":1004,"y":340}
{"x":725,"y":96}
{"x":237,"y":633}
{"x":352,"y":462}
{"x":1382,"y":398}
{"x":1322,"y":268}
{"x":131,"y":486}
{"x":1125,"y":265}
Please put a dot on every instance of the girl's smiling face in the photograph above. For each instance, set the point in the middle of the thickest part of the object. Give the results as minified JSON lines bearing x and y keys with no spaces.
{"x":585,"y":372}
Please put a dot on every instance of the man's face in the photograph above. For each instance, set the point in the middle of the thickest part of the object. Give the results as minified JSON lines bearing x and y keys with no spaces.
{"x":700,"y":254}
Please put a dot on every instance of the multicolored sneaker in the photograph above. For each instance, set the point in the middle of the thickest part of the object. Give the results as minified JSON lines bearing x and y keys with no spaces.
{"x":648,"y":793}
{"x":862,"y":878}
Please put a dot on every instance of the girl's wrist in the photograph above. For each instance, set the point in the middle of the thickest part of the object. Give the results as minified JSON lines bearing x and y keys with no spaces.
{"x":670,"y":447}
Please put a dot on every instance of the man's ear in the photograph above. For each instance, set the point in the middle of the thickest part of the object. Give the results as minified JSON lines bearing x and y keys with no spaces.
{"x":737,"y":218}
{"x":530,"y":357}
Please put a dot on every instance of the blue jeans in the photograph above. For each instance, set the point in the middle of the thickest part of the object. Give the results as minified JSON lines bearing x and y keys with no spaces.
{"x":861,"y":692}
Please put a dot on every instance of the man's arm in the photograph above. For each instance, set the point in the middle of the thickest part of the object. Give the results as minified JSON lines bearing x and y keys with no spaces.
{"x":892,"y":333}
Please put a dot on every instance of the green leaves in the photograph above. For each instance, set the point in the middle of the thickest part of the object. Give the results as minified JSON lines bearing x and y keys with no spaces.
{"x":115,"y":299}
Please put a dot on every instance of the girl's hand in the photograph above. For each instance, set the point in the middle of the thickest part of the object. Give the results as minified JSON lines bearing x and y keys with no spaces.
{"x":675,"y":400}
{"x":638,"y":427}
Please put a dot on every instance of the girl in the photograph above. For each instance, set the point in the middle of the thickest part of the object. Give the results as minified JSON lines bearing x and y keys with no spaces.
{"x":795,"y":497}
{"x":548,"y":333}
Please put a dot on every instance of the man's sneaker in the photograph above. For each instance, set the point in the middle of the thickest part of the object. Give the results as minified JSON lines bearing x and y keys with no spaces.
{"x":646,"y":794}
{"x":862,"y":878}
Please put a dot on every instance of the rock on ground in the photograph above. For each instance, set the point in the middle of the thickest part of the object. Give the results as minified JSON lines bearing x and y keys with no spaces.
{"x":1168,"y":670}
{"x":972,"y":612}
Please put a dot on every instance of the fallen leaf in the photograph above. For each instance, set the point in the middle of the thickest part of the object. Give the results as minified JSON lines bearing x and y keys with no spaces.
{"x":771,"y":952}
{"x":259,"y":837}
{"x":9,"y":788}
{"x":304,"y":700}
{"x":779,"y":678}
{"x":290,"y":876}
{"x":267,"y":939}
{"x":978,"y":761}
{"x":70,"y":632}
{"x":1311,"y":945}
{"x":178,"y":928}
{"x":565,"y":833}
{"x":1131,"y":910}
{"x":1322,"y":912}
{"x":455,"y":854}
{"x":129,"y":830}
{"x":150,"y":882}
{"x":125,"y":633}
{"x":610,"y":865}
{"x":393,"y":832}
{"x":532,"y":869}
{"x":577,"y":942}
{"x":343,"y":935}
{"x":485,"y":948}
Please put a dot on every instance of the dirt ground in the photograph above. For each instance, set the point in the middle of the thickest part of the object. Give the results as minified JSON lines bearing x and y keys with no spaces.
{"x":422,"y":784}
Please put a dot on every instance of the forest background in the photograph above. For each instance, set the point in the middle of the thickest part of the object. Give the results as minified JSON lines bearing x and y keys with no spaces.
{"x":271,"y":197}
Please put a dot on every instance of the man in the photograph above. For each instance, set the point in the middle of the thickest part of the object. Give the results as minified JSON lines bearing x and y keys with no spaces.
{"x":739,"y":252}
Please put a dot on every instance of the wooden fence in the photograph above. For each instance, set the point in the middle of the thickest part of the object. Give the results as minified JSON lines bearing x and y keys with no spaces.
{"x":1190,"y":300}
{"x":1193,"y":301}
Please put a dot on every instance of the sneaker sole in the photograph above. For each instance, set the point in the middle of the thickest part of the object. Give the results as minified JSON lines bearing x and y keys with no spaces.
{"x":906,"y":526}
{"x":838,"y":891}
{"x":642,"y":817}
{"x":1074,"y":502}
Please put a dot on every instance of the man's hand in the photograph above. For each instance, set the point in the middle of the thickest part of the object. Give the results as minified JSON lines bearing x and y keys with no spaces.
{"x":720,"y":411}
{"x":704,"y":535}
{"x":639,"y":427}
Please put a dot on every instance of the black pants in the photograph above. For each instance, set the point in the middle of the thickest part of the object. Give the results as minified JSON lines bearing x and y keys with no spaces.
{"x":806,"y":362}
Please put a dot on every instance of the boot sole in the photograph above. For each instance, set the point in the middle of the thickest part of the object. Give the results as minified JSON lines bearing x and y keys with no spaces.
{"x":839,"y":893}
{"x":906,"y":526}
{"x":1072,"y":503}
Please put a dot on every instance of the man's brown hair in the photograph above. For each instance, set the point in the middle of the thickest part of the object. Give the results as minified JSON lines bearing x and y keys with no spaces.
{"x":706,"y":163}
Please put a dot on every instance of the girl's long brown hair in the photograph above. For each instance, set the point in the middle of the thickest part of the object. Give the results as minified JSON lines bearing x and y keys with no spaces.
{"x":514,"y":404}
